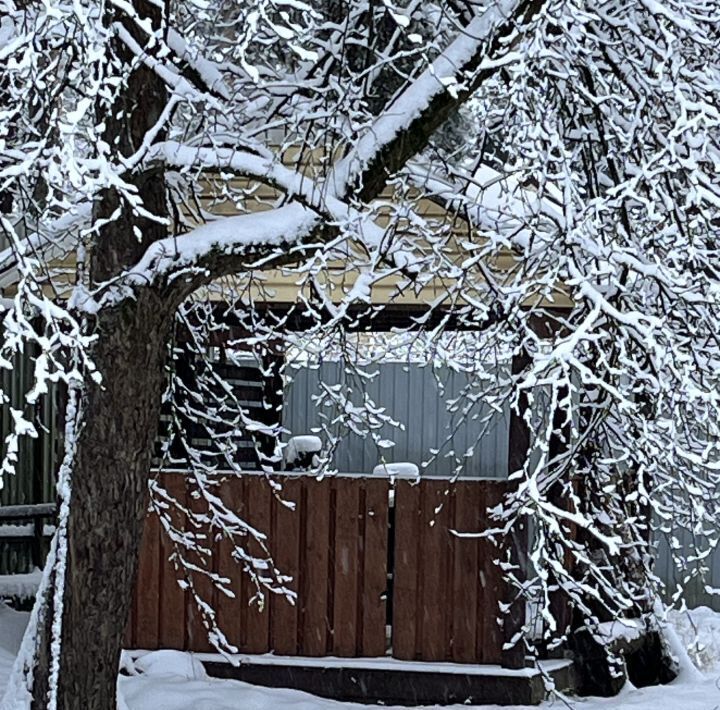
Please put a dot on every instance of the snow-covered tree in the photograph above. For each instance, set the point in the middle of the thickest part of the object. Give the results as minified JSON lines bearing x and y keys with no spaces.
{"x":159,"y":159}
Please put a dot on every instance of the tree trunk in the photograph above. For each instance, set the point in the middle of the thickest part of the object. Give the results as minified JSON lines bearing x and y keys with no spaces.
{"x":119,"y":419}
{"x":109,"y":502}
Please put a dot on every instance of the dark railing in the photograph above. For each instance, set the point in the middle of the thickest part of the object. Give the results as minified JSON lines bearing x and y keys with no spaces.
{"x":33,"y":534}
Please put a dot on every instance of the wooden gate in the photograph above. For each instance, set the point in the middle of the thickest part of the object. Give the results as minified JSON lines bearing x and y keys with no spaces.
{"x":446,"y":588}
{"x":334,"y":545}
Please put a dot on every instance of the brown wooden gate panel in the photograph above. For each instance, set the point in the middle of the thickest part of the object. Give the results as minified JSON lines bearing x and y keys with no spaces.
{"x":334,"y":545}
{"x":446,"y":593}
{"x":447,"y":588}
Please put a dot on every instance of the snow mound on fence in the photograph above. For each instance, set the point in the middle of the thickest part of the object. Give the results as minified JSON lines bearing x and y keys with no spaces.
{"x":20,"y":586}
{"x":402,"y":469}
{"x":298,"y":446}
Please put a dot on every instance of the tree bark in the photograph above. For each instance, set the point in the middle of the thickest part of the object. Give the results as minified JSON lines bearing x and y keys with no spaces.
{"x":108,"y":505}
{"x":119,"y":418}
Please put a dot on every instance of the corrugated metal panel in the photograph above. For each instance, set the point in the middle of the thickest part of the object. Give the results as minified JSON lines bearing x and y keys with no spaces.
{"x":695,"y":592}
{"x":410,"y":395}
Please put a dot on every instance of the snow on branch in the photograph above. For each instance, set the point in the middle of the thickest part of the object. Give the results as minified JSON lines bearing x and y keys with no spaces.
{"x":264,"y":167}
{"x":250,"y":236}
{"x":207,"y":70}
{"x":385,"y":146}
{"x":169,"y":74}
{"x":52,"y":241}
{"x":253,"y":235}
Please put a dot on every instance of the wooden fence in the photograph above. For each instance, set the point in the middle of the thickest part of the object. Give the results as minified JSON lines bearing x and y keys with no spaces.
{"x":446,"y":589}
{"x":23,"y":542}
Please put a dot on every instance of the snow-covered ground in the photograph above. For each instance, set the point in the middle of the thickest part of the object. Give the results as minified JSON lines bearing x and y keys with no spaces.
{"x":168,"y":680}
{"x":12,"y":627}
{"x":170,"y":687}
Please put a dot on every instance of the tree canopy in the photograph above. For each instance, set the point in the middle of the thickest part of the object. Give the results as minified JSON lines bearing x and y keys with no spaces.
{"x":539,"y":178}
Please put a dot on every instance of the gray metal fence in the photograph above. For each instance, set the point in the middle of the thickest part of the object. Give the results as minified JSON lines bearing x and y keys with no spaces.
{"x":410,"y":394}
{"x":696,"y":592}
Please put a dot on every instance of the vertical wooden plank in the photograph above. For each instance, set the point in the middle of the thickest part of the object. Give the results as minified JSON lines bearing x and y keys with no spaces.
{"x":374,"y":555}
{"x":148,"y":586}
{"x":247,"y":588}
{"x":484,"y":581}
{"x":197,"y":633}
{"x":406,"y":577}
{"x":286,"y":553}
{"x":347,"y":549}
{"x":258,"y":499}
{"x":493,"y":588}
{"x":513,"y":549}
{"x":315,"y":576}
{"x":434,"y":600}
{"x":232,"y":610}
{"x":465,"y":580}
{"x":172,"y":599}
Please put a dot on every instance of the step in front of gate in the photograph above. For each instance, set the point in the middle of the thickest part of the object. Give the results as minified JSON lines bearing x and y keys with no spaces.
{"x":393,"y":682}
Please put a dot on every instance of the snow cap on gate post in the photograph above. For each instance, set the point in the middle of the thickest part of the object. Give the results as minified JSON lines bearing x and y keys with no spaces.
{"x":301,"y":452}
